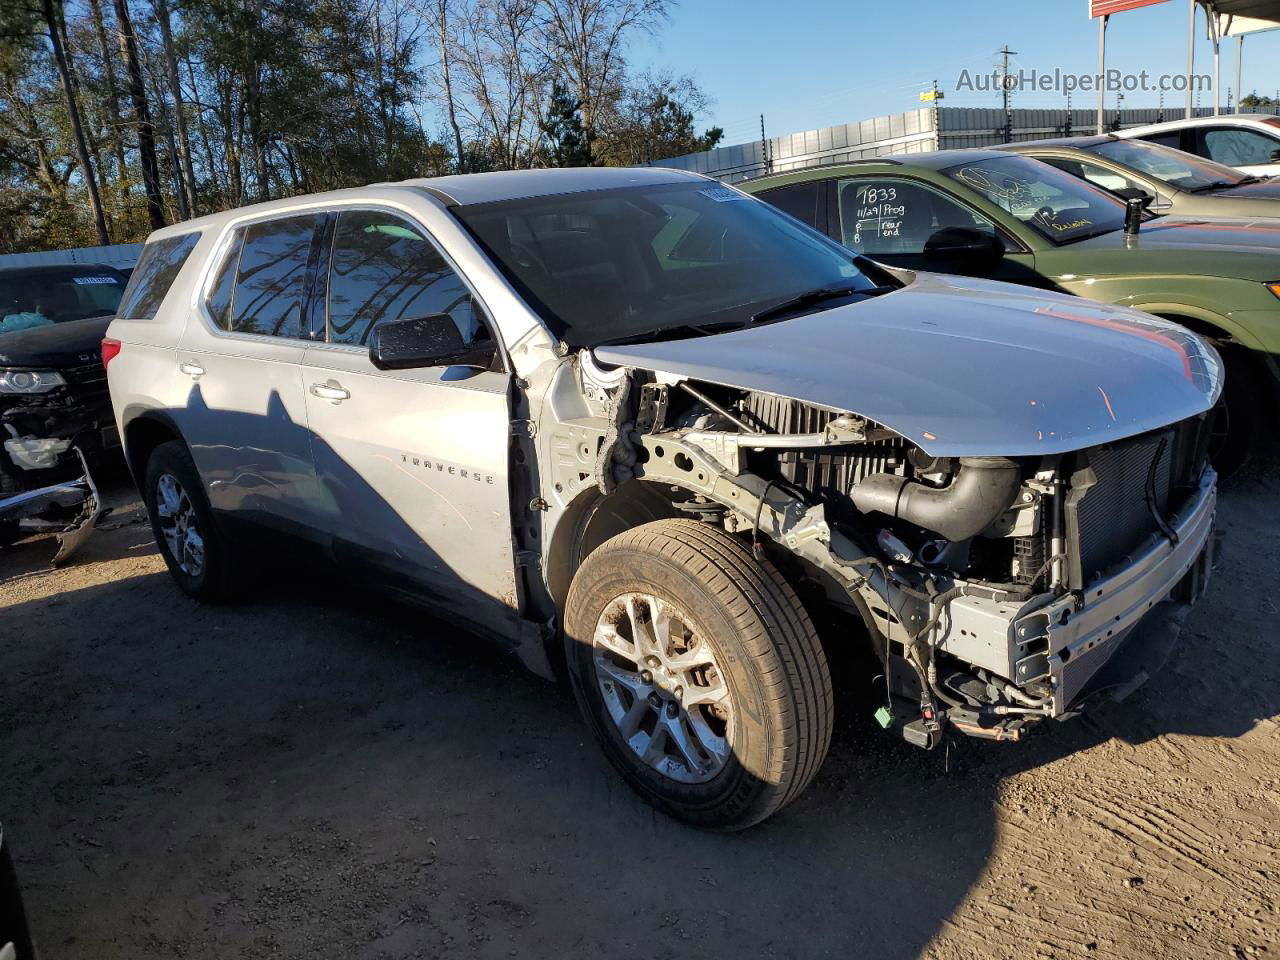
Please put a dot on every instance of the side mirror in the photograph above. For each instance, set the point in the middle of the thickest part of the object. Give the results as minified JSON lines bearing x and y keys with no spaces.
{"x":430,"y":341}
{"x":966,"y":245}
{"x":1135,"y":193}
{"x":1275,"y":156}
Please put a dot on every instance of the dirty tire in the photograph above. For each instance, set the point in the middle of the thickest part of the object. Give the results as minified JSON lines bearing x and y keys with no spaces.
{"x":1237,"y":413}
{"x":770,"y":658}
{"x":214,"y":580}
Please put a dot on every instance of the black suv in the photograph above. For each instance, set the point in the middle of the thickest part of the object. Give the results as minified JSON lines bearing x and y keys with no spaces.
{"x":53,"y":389}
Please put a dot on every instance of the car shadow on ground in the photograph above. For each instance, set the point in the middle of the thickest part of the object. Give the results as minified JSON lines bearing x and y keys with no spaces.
{"x":314,"y":771}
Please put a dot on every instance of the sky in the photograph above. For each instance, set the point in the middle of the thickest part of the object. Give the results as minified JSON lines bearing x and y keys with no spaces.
{"x":814,"y":63}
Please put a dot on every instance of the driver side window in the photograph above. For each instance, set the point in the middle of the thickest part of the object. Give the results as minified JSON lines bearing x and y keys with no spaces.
{"x":1237,"y":147}
{"x":1098,"y":175}
{"x":888,"y":216}
{"x":383,"y":269}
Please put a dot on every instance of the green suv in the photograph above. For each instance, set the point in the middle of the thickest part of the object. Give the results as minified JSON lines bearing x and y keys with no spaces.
{"x":1001,"y":216}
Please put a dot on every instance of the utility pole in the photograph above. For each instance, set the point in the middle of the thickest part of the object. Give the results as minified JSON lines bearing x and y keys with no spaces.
{"x":1102,"y":69}
{"x":764,"y":148}
{"x":1005,"y":90}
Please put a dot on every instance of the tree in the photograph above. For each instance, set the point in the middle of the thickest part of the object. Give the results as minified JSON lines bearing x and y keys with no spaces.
{"x":141,"y":116}
{"x":562,"y":126}
{"x":52,"y":20}
{"x":654,"y":121}
{"x":586,"y":39}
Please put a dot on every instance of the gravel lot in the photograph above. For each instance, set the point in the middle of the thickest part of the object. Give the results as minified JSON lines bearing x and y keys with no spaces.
{"x":313,"y":772}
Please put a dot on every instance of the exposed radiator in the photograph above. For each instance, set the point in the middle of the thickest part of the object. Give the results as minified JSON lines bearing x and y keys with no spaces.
{"x":1107,"y":512}
{"x":826,"y":475}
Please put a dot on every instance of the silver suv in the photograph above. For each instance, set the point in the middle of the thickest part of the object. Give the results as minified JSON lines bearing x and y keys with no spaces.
{"x":644,"y":429}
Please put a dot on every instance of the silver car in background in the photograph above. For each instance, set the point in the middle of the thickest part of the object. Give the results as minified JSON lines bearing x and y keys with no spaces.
{"x":642,"y":428}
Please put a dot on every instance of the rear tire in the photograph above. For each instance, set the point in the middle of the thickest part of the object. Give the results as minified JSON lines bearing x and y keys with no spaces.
{"x":736,"y":717}
{"x":187,"y":534}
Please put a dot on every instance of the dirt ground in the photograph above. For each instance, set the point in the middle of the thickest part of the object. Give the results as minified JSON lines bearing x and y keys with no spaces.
{"x":313,"y":772}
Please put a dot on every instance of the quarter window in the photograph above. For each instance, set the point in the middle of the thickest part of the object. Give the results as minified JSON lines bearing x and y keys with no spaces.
{"x":896,"y":216}
{"x":385,"y":269}
{"x":154,"y":274}
{"x":219,"y":300}
{"x":271,"y":277}
{"x":1239,"y":148}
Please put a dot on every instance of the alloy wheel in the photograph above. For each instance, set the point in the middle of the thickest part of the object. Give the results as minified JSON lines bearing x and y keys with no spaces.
{"x":179,"y":526}
{"x":663,"y":688}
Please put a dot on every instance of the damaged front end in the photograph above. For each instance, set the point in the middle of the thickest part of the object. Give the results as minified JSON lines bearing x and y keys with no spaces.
{"x":997,"y":590}
{"x":70,"y":509}
{"x":54,"y":424}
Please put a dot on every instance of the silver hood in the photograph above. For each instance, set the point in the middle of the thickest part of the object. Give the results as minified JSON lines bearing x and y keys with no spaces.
{"x":965,"y":367}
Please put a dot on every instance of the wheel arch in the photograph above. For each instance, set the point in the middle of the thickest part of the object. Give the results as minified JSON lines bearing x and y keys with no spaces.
{"x":593,"y":517}
{"x":144,"y":430}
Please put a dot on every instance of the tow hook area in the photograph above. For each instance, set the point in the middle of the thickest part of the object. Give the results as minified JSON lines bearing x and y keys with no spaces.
{"x":71,"y":510}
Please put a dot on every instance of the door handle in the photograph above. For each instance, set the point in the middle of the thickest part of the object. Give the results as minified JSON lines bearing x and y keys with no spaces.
{"x":330,"y":391}
{"x":191,"y":369}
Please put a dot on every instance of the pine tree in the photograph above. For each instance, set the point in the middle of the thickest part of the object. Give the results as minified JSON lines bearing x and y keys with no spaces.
{"x":566,"y":138}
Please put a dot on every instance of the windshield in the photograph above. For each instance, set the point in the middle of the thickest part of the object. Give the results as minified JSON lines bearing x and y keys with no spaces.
{"x":1181,"y":170}
{"x":41,"y":296}
{"x":1055,"y":204}
{"x":606,"y":265}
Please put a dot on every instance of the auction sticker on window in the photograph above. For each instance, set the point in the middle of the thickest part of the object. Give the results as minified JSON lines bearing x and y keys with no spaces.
{"x":722,"y":194}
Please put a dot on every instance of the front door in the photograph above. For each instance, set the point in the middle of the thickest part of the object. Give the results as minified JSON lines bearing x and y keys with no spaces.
{"x":412,"y":464}
{"x":890,"y":220}
{"x":245,"y":418}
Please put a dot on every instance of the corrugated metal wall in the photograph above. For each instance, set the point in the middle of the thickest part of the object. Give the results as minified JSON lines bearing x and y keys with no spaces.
{"x":120,"y":255}
{"x":910,"y":132}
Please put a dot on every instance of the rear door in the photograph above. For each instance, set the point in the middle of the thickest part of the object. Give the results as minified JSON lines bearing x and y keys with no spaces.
{"x":245,"y":419}
{"x":413,"y":464}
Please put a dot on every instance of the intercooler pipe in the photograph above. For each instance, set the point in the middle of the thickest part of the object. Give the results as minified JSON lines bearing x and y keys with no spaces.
{"x":982,"y":489}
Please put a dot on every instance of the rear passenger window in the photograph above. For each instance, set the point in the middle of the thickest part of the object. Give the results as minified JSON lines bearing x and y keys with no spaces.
{"x":798,"y":199}
{"x":154,"y":274}
{"x":384,"y":269}
{"x":271,"y":277}
{"x":1171,"y":139}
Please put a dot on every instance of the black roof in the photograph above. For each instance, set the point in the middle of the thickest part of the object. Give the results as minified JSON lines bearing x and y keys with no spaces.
{"x":933,"y":160}
{"x":1083,"y":142}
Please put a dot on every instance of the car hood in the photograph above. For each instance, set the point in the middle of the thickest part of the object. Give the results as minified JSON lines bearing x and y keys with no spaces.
{"x":1244,"y":248}
{"x":1265,"y":189}
{"x":56,"y":345}
{"x":1203,"y":233}
{"x":964,"y":367}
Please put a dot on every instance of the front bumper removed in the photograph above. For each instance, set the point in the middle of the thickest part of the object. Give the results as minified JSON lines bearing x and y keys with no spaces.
{"x":1105,"y":640}
{"x":71,"y":510}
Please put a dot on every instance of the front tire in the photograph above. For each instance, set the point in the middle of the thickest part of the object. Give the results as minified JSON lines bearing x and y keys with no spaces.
{"x":699,"y":673}
{"x":1236,"y":418}
{"x":186,"y":532}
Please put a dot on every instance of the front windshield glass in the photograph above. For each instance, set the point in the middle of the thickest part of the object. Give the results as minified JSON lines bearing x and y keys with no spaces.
{"x":1182,"y":170}
{"x":607,"y":265}
{"x":1056,"y":204}
{"x":41,"y":296}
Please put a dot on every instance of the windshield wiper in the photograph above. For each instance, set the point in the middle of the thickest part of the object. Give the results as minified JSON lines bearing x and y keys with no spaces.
{"x":814,"y":297}
{"x":1221,"y":185}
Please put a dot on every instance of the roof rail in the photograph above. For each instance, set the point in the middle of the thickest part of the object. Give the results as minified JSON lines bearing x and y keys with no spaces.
{"x":828,"y":163}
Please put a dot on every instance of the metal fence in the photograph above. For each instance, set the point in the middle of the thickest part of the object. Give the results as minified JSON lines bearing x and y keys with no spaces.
{"x":122,"y":256}
{"x":915,"y":131}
